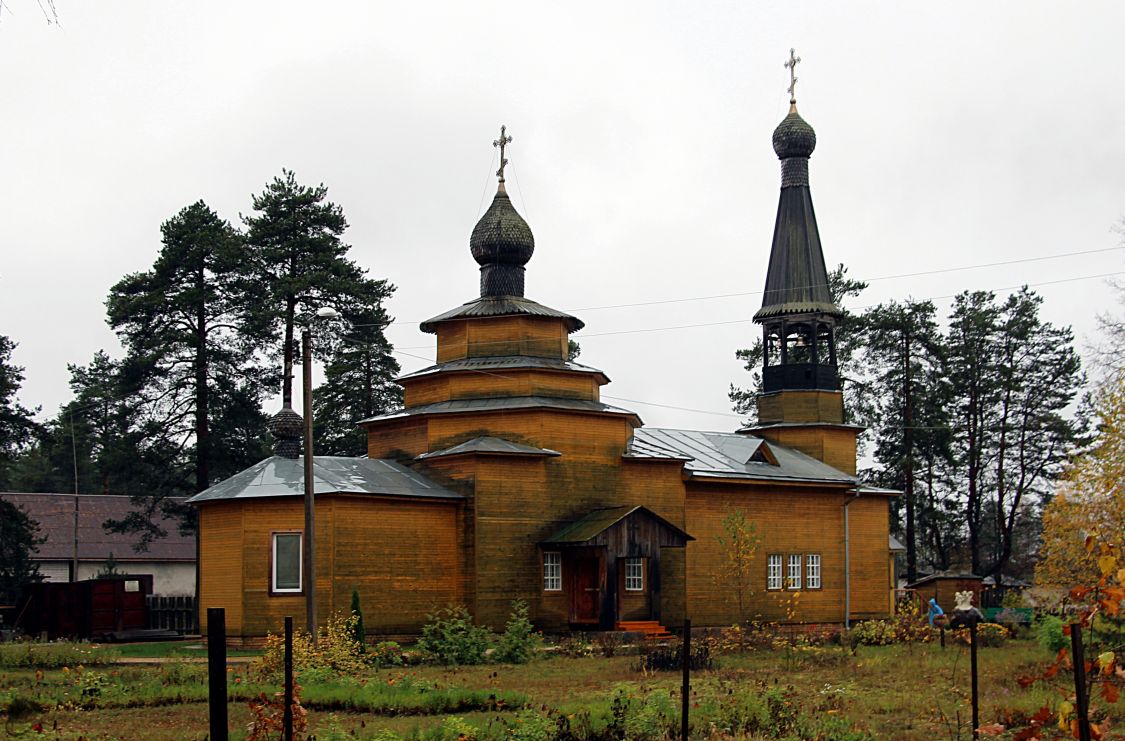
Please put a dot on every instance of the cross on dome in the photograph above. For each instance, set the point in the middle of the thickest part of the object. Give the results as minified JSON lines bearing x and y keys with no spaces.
{"x":502,"y":142}
{"x":791,"y":65}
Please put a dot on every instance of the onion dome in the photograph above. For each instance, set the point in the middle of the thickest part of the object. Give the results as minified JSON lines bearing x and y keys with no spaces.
{"x":502,"y":244}
{"x":793,"y":137}
{"x":287,"y":428}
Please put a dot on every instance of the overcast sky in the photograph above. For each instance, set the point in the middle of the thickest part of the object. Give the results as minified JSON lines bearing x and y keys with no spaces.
{"x":949,"y":135}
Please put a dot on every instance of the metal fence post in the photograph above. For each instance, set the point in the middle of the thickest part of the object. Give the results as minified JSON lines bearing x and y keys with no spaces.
{"x":973,"y":664}
{"x":1081,"y":699}
{"x":287,"y":714}
{"x":685,"y":691}
{"x":217,"y":672}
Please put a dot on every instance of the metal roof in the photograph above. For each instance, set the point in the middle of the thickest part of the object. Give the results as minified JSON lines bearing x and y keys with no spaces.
{"x":502,"y":403}
{"x":731,"y":455}
{"x":599,"y":520}
{"x":487,"y":306}
{"x":797,"y":279}
{"x":508,"y":362}
{"x":54,"y":514}
{"x":487,"y":444}
{"x":945,"y":575}
{"x":284,"y":477}
{"x":895,"y":545}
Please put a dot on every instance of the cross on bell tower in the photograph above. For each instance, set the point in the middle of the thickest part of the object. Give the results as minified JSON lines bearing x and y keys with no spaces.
{"x":791,"y":65}
{"x":502,"y":142}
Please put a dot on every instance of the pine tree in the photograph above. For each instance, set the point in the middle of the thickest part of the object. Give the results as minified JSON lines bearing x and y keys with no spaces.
{"x":298,"y":252}
{"x":904,"y":356}
{"x":19,"y":539}
{"x":17,"y":423}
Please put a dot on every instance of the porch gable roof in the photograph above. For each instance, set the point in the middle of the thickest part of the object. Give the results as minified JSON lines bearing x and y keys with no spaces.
{"x":586,"y":530}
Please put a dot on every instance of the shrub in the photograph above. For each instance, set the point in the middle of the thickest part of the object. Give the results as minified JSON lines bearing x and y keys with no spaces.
{"x":670,"y":657}
{"x":387,"y":654}
{"x":1049,"y":634}
{"x":519,"y":642}
{"x":451,"y":638}
{"x":336,"y":651}
{"x":359,"y":633}
{"x":871,"y":633}
{"x":54,"y":654}
{"x":989,"y":635}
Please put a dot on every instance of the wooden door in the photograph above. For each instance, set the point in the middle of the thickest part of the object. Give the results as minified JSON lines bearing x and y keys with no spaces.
{"x":586,"y":587}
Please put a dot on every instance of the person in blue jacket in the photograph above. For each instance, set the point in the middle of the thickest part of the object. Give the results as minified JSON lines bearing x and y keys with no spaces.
{"x":935,"y":610}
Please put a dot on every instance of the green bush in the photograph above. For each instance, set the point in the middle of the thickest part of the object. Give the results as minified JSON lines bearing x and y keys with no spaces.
{"x":54,"y":654}
{"x":1049,"y":633}
{"x":359,"y":633}
{"x":670,"y":657}
{"x":519,"y":642}
{"x":872,"y":633}
{"x":451,"y":638}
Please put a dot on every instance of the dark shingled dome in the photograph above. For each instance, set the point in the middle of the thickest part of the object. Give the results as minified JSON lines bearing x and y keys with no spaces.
{"x":287,"y":429}
{"x":502,"y":237}
{"x":793,"y":137}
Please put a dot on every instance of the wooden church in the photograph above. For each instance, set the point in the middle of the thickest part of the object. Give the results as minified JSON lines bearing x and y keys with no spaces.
{"x":505,"y":476}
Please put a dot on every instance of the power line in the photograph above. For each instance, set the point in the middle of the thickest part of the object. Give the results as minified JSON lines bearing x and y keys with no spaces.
{"x":935,"y":271}
{"x":642,"y":330}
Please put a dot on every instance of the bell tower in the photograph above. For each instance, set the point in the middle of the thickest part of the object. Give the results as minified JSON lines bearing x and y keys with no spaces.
{"x":801,"y":404}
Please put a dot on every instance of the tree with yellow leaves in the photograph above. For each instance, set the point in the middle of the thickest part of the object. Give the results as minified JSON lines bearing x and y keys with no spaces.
{"x":1089,"y":501}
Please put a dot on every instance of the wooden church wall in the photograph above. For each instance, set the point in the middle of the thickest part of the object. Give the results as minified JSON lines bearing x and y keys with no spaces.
{"x":499,"y":384}
{"x":403,"y":555}
{"x":787,"y":520}
{"x":220,"y":563}
{"x":872,"y":590}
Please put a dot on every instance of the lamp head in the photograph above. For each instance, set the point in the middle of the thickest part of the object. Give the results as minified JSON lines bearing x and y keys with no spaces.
{"x":326,"y":312}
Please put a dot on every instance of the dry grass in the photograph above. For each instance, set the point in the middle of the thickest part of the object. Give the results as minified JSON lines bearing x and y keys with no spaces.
{"x":915,"y":691}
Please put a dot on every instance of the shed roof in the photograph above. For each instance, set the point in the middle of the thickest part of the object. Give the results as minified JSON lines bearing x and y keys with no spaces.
{"x":731,"y":455}
{"x":55,"y":515}
{"x":938,"y":575}
{"x":284,"y":477}
{"x":596,"y":522}
{"x":488,"y":444}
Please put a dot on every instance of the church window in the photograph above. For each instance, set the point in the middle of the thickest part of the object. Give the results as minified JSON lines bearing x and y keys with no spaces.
{"x":812,"y":571}
{"x":634,"y":574}
{"x":286,"y":571}
{"x":552,"y":571}
{"x":794,"y":581}
{"x":773,"y":571}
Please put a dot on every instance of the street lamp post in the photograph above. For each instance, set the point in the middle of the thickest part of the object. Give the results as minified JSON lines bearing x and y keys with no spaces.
{"x":309,"y":554}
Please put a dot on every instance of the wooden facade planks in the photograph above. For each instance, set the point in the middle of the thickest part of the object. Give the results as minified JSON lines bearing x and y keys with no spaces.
{"x":371,"y":544}
{"x":787,"y":520}
{"x":801,"y":406}
{"x":501,"y":383}
{"x":544,"y":337}
{"x":835,"y":446}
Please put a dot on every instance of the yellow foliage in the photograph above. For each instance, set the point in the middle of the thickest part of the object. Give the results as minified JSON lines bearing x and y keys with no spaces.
{"x":1089,"y":506}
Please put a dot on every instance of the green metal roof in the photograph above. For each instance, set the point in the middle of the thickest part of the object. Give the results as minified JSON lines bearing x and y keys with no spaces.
{"x":600,"y":520}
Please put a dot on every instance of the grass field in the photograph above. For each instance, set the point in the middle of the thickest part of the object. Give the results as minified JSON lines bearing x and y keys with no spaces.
{"x":907,"y":691}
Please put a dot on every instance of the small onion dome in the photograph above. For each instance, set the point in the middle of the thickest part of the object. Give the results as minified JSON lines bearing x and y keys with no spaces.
{"x":502,"y":237}
{"x":287,"y":428}
{"x":793,"y":137}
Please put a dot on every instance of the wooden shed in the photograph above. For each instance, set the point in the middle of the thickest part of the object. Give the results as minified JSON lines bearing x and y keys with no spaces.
{"x":943,"y":585}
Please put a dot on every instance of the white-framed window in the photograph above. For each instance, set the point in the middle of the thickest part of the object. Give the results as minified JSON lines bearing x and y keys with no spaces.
{"x":552,"y":571}
{"x":812,"y":571}
{"x":773,"y":571}
{"x":634,"y":575}
{"x":286,"y":557}
{"x":794,"y":573}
